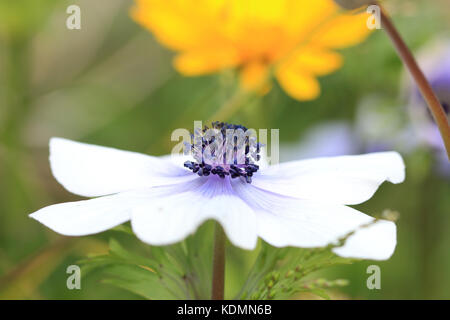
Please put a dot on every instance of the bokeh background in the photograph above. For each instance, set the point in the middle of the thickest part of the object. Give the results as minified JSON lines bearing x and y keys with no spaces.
{"x":112,"y":84}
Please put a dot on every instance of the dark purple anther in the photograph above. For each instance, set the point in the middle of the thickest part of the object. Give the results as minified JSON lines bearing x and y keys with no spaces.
{"x":215,"y":161}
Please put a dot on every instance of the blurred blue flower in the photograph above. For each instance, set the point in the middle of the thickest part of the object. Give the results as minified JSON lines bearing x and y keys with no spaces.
{"x":324,"y":140}
{"x":378,"y":126}
{"x":435,"y":62}
{"x":381,"y":124}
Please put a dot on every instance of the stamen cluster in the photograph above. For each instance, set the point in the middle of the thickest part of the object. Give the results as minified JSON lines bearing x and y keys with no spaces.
{"x":224,"y":150}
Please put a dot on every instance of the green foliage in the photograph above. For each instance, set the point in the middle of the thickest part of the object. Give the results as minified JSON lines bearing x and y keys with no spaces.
{"x":183,"y":271}
{"x":21,"y":17}
{"x":180,"y":271}
{"x":281,"y":273}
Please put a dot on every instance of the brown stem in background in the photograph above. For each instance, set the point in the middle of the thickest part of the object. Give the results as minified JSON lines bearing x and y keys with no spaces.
{"x":218,"y":280}
{"x":427,"y":92}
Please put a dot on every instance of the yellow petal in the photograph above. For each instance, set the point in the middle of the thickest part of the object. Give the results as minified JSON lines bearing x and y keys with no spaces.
{"x":175,"y":23}
{"x":315,"y":61}
{"x":254,"y":76}
{"x":303,"y":16}
{"x":210,"y":35}
{"x":209,"y":60}
{"x":267,"y":11}
{"x":272,"y":28}
{"x":298,"y":85}
{"x":342,"y":31}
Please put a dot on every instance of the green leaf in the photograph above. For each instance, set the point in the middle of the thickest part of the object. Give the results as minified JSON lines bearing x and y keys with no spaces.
{"x":139,"y":280}
{"x":181,"y":271}
{"x":282,"y":273}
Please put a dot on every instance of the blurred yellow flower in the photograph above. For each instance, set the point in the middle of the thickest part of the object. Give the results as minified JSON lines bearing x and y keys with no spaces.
{"x":291,"y":39}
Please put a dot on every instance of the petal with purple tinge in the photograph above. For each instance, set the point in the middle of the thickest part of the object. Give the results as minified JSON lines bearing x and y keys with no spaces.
{"x":171,"y":218}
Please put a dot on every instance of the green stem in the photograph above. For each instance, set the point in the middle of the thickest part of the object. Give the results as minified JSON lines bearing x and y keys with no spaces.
{"x":17,"y":91}
{"x":218,"y":279}
{"x":228,"y":109}
{"x":427,"y":92}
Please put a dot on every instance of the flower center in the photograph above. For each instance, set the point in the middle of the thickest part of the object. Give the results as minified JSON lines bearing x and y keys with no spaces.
{"x":224,"y":150}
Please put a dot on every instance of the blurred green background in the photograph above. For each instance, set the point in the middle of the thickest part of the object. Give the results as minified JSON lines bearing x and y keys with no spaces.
{"x":112,"y":84}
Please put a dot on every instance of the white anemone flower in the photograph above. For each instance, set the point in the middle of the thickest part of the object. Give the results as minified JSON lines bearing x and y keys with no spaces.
{"x":298,"y":203}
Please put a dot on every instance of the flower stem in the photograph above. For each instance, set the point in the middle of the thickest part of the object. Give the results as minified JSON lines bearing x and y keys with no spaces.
{"x":218,"y":279}
{"x":427,"y":92}
{"x":229,"y":108}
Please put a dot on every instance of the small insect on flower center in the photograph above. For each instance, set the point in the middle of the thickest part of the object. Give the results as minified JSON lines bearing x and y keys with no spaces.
{"x":224,"y":150}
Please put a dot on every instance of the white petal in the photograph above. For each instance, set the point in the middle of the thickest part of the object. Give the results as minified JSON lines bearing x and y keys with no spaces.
{"x":341,"y":180}
{"x":88,"y":216}
{"x":171,"y":218}
{"x":177,"y":159}
{"x":284,"y":221}
{"x":91,"y":171}
{"x":376,"y":242}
